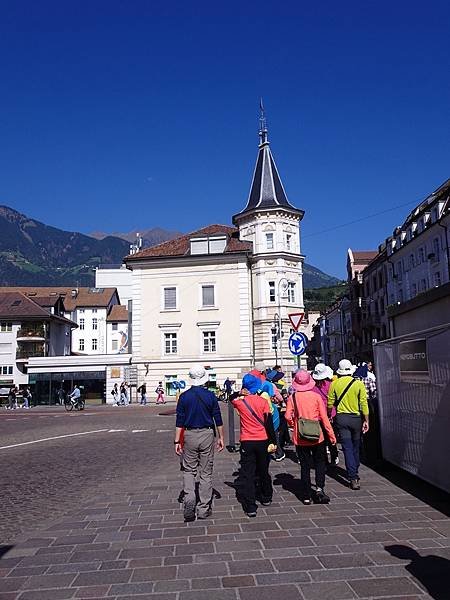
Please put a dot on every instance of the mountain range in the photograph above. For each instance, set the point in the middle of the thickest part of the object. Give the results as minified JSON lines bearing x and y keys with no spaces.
{"x":32,"y":253}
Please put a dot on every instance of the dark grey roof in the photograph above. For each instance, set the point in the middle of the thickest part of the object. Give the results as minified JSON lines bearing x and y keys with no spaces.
{"x":266,"y":190}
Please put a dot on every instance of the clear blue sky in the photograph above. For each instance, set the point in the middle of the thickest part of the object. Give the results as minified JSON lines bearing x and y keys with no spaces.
{"x":116,"y":115}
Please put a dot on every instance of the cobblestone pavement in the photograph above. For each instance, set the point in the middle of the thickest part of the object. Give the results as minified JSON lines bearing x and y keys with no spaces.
{"x":96,"y":516}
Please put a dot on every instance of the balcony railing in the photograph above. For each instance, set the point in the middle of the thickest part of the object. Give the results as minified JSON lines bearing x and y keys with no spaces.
{"x":32,"y":332}
{"x":25,"y":353}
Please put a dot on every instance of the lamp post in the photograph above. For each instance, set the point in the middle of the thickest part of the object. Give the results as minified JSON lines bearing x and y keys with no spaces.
{"x":283,"y":285}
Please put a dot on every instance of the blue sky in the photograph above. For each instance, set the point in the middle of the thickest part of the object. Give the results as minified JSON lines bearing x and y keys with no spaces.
{"x":120,"y":115}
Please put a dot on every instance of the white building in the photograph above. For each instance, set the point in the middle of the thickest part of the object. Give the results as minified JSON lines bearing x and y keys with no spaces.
{"x":418,"y":253}
{"x":213,"y":296}
{"x":88,"y":307}
{"x":118,"y":276}
{"x":117,"y":330}
{"x":30,"y":328}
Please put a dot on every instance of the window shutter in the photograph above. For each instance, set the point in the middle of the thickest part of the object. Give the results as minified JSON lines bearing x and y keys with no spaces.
{"x":170,"y":297}
{"x":208,"y":295}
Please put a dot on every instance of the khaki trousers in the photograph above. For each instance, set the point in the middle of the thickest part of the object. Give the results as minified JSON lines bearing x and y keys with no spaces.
{"x":198,"y":460}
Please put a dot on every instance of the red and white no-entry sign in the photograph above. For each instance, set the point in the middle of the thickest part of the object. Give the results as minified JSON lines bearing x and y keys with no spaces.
{"x":296,"y":320}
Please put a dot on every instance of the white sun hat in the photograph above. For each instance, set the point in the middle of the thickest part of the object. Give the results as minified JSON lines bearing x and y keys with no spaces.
{"x":322,"y":371}
{"x":345,"y":367}
{"x":197,"y":375}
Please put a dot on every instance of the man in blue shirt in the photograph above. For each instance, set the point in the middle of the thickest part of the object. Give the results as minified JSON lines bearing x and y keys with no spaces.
{"x":198,"y":419}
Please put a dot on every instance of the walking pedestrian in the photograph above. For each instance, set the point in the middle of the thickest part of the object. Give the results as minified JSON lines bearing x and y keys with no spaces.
{"x":257,"y":436}
{"x":61,"y":395}
{"x":284,"y":437}
{"x":349,"y":397}
{"x":123,"y":394}
{"x":160,"y":394}
{"x":12,"y":398}
{"x":371,"y":442}
{"x":268,"y":392}
{"x":26,"y":395}
{"x":198,"y":420}
{"x":143,"y":391}
{"x":228,"y":387}
{"x":308,"y":417}
{"x":323,"y":376}
{"x":116,"y":395}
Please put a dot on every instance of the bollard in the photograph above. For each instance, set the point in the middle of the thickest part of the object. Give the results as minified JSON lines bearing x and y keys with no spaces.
{"x":231,"y":435}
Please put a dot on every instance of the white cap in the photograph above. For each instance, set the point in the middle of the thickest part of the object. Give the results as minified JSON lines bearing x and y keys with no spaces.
{"x":197,"y":375}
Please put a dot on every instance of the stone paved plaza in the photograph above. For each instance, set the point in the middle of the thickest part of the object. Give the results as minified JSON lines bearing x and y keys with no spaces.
{"x":97,"y":516}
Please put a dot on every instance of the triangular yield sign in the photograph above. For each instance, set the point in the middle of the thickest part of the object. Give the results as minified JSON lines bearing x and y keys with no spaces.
{"x":296,"y":319}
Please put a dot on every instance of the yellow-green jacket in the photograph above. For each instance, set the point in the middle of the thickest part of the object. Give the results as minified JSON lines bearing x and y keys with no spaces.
{"x":355,"y":400}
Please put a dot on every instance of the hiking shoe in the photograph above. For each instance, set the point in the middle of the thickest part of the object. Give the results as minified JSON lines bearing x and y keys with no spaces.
{"x":336,"y":460}
{"x":205,"y":515}
{"x":306,"y":501}
{"x":354,"y":484}
{"x":266,"y":503}
{"x":322,"y":498}
{"x":280,"y":458}
{"x":189,"y":517}
{"x":251,"y":513}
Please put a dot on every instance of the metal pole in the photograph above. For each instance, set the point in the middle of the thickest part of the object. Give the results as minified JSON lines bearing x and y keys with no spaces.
{"x":231,"y":435}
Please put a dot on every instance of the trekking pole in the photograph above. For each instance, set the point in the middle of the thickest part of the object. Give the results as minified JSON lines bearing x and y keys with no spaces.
{"x":231,"y":435}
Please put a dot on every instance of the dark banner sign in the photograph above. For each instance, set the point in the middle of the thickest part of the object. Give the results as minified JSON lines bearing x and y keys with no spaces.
{"x":414,"y":361}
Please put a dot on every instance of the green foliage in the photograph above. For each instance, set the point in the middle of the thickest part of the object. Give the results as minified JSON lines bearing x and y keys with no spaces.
{"x":321,"y":298}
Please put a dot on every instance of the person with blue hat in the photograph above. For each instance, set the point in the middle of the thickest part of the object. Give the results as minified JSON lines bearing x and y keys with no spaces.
{"x":257,"y":437}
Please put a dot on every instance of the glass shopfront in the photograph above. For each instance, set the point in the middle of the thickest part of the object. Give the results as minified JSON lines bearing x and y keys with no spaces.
{"x":50,"y":388}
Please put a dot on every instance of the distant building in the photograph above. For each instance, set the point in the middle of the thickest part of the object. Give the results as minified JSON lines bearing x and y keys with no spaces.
{"x":118,"y":276}
{"x":117,"y":330}
{"x":88,"y":307}
{"x":30,"y":328}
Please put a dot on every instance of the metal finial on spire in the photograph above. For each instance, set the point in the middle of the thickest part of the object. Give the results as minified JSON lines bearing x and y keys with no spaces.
{"x":262,"y":123}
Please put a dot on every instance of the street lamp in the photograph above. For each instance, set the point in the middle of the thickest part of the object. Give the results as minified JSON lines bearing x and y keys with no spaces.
{"x":283,"y":285}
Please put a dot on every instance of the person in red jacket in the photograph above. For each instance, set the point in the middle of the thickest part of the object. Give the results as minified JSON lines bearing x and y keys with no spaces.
{"x":309,"y":405}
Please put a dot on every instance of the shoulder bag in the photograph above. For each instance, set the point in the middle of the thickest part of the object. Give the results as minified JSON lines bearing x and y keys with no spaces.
{"x":337,"y":402}
{"x":308,"y":429}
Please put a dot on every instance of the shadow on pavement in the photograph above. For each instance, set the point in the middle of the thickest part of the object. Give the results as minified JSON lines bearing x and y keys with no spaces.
{"x":436,"y":498}
{"x":5,"y":549}
{"x":429,"y":571}
{"x":338,"y":474}
{"x":289,"y":483}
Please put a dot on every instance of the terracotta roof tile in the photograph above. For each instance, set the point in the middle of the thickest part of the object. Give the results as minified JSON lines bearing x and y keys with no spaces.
{"x":364,"y":255}
{"x":118,"y":313}
{"x":85,"y":297}
{"x":181,"y":246}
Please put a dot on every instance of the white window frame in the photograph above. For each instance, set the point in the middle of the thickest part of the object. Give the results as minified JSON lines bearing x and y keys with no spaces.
{"x":289,"y":241}
{"x":94,"y":344}
{"x":171,"y":341}
{"x":94,"y":324}
{"x":163,"y":298}
{"x":209,"y":341}
{"x":270,"y":240}
{"x":115,"y":326}
{"x":81,"y":345}
{"x":114,"y":345}
{"x":207,"y":306}
{"x":292,"y":292}
{"x":81,"y":324}
{"x":272,"y":291}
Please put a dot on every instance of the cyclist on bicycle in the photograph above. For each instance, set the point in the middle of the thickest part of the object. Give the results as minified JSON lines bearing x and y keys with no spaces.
{"x":75,"y":395}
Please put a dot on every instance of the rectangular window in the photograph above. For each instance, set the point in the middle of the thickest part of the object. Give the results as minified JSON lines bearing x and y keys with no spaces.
{"x":81,"y":324}
{"x":423,"y":285}
{"x":291,"y":292}
{"x":81,"y":311}
{"x":272,"y":297}
{"x":94,"y":324}
{"x":414,"y":290}
{"x":170,"y":298}
{"x":288,"y":241}
{"x":436,"y":248}
{"x":81,"y":345}
{"x":437,"y":278}
{"x":209,"y":341}
{"x":421,"y":256}
{"x":170,"y":343}
{"x":5,"y":326}
{"x":94,"y":344}
{"x":207,"y":295}
{"x":269,"y":241}
{"x":94,"y":310}
{"x":4,"y":370}
{"x":115,"y":344}
{"x":115,"y":326}
{"x":10,"y":370}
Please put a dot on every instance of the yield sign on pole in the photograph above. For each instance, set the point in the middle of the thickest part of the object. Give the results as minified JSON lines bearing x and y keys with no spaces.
{"x":296,"y":319}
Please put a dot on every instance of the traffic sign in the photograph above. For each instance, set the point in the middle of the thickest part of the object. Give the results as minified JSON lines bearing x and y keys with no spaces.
{"x":298,"y":342}
{"x":296,"y":320}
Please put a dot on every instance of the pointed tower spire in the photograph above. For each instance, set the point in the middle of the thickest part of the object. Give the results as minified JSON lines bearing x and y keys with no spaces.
{"x":267,"y":191}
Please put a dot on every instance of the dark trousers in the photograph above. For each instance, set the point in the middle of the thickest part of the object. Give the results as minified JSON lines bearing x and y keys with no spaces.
{"x":312,"y":457}
{"x":254,"y":463}
{"x":283,"y":431}
{"x":349,"y":427}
